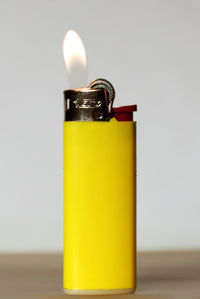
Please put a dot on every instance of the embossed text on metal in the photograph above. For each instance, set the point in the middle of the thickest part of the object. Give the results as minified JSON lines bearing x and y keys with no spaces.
{"x":86,"y":103}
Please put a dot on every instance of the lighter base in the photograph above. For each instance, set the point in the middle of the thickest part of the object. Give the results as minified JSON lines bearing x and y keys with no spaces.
{"x":98,"y":292}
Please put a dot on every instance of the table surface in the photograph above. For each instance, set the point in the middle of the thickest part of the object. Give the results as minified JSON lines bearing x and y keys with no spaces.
{"x":159,"y":275}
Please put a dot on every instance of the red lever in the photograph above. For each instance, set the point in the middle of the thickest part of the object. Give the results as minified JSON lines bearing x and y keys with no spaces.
{"x":124,"y":113}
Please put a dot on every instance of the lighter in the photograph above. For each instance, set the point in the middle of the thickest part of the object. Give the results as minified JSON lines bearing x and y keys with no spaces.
{"x":99,"y":192}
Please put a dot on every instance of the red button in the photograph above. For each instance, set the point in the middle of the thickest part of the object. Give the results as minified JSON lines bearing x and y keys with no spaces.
{"x":124,"y":113}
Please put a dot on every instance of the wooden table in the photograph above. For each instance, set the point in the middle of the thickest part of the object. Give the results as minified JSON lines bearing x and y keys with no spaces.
{"x":160,"y":275}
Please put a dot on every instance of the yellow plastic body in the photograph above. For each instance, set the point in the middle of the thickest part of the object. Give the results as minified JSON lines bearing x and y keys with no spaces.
{"x":99,"y":207}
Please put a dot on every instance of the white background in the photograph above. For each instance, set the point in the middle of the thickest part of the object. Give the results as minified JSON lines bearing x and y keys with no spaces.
{"x":150,"y":51}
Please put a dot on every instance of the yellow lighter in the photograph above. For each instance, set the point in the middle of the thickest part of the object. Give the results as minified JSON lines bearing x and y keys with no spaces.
{"x":99,"y":193}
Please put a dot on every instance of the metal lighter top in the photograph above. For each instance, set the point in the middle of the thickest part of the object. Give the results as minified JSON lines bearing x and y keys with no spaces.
{"x":90,"y":104}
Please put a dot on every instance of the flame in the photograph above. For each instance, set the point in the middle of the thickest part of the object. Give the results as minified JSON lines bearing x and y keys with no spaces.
{"x":75,"y":59}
